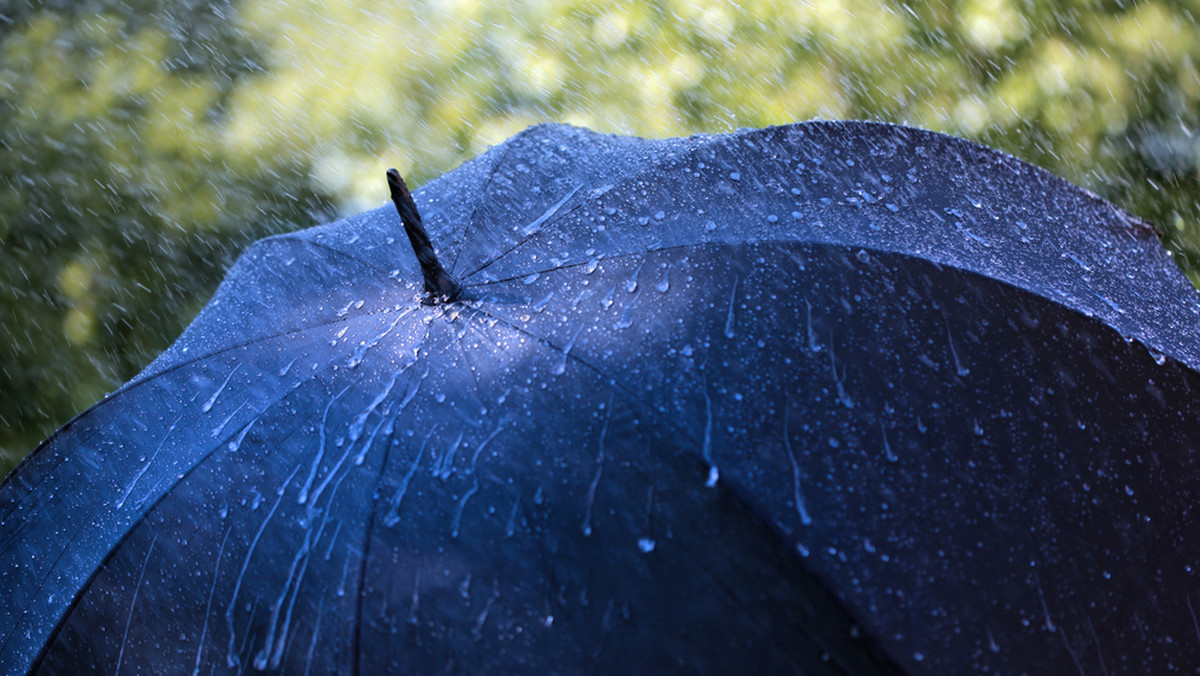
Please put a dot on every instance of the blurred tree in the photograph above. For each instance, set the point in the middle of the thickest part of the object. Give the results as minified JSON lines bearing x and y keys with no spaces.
{"x":119,"y":209}
{"x":143,"y":146}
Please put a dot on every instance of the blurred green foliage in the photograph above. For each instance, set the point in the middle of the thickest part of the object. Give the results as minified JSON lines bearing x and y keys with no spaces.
{"x":142,"y":146}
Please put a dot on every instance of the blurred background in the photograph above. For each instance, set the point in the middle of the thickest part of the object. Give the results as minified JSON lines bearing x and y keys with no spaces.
{"x":144,"y":144}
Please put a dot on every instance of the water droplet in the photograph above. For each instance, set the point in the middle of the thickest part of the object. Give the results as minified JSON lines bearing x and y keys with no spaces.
{"x":607,"y":302}
{"x":631,"y":284}
{"x":735,"y":176}
{"x":713,"y":477}
{"x":863,"y":256}
{"x":659,"y":215}
{"x":665,"y":282}
{"x":772,"y":218}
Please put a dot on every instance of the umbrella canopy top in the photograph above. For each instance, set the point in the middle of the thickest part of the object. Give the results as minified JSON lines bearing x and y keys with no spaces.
{"x":632,"y":335}
{"x":877,"y":186}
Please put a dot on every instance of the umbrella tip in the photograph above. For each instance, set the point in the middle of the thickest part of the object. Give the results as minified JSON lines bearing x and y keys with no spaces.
{"x":438,"y":282}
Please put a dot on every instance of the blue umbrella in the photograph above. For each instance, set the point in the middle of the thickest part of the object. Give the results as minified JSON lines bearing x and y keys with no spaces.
{"x":821,"y":398}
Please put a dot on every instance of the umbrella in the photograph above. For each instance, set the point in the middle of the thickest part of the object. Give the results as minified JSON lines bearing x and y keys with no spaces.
{"x":828,"y":397}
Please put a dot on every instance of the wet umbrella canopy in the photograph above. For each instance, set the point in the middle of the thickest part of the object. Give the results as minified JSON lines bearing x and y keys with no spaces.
{"x":831,"y":396}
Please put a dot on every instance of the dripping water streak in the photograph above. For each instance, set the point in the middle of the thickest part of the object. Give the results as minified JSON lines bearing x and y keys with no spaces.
{"x":393,"y":514}
{"x":511,"y":526}
{"x":842,"y":396}
{"x":483,"y":444}
{"x":231,"y":659}
{"x":213,"y":399}
{"x":312,"y":646}
{"x":133,"y":604}
{"x":216,"y":431}
{"x":360,"y":420}
{"x":312,"y":475}
{"x":232,"y":446}
{"x":535,"y":225}
{"x":477,"y":632}
{"x":361,"y":350}
{"x":561,"y":367}
{"x":591,"y":494}
{"x":462,"y":505}
{"x":626,"y":319}
{"x":415,"y":603}
{"x":961,"y":370}
{"x":729,"y":320}
{"x":137,"y":479}
{"x":706,"y":447}
{"x":813,"y":345}
{"x":268,"y":656}
{"x":797,"y":496}
{"x":447,"y":465}
{"x":1100,"y":652}
{"x":208,"y":607}
{"x":632,"y":284}
{"x":887,"y":447}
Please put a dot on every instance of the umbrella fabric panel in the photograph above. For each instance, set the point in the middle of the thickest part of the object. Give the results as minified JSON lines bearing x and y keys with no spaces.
{"x":935,"y":469}
{"x":86,"y":487}
{"x":886,"y":188}
{"x":559,"y":529}
{"x":252,"y":562}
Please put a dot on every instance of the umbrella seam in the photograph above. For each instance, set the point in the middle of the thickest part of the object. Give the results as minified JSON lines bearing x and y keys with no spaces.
{"x":507,"y":149}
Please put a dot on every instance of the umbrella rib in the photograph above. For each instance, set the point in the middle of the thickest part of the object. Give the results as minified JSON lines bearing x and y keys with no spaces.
{"x":507,"y":148}
{"x":533,"y":235}
{"x":175,"y":367}
{"x":323,"y":246}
